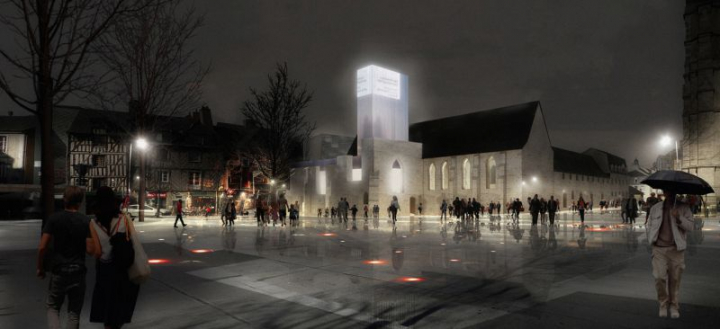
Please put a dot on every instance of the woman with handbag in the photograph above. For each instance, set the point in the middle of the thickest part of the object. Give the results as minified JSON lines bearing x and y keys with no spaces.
{"x":114,"y":296}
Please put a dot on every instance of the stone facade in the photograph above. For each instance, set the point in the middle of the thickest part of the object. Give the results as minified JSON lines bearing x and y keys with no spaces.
{"x":701,"y":110}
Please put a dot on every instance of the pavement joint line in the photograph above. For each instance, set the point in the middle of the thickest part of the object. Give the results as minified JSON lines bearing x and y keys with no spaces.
{"x":200,"y":300}
{"x":302,"y":299}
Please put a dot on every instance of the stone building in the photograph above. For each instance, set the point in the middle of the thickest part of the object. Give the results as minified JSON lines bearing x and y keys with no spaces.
{"x":701,"y":110}
{"x":494,"y":156}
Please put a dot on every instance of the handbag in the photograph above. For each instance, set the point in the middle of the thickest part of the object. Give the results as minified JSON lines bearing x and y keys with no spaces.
{"x":139,"y":271}
{"x":122,"y":252}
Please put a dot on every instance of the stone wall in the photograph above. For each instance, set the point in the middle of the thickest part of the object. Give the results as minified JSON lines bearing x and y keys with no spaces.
{"x":701,"y":109}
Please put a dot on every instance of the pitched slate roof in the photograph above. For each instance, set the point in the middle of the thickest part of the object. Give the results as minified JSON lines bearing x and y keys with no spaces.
{"x":506,"y":128}
{"x":576,"y":163}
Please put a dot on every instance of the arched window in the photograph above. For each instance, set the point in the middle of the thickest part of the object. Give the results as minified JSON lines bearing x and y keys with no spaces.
{"x":490,"y":173}
{"x":444,"y":174}
{"x":466,"y":174}
{"x":396,"y":180}
{"x":431,"y":177}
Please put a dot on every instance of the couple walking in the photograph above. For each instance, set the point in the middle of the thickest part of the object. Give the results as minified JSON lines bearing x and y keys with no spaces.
{"x":67,"y":236}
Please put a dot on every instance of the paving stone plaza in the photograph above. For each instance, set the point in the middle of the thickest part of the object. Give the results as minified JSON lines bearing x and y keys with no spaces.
{"x":423,"y":274}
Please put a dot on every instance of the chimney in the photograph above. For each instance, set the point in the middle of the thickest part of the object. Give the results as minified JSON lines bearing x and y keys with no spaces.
{"x":206,"y":116}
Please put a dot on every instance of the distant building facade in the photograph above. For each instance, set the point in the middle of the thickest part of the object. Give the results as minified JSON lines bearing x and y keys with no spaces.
{"x":493,"y":156}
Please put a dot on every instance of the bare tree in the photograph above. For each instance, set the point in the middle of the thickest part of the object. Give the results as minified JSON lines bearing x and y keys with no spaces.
{"x":279,"y":115}
{"x":147,"y":53}
{"x":50,"y":61}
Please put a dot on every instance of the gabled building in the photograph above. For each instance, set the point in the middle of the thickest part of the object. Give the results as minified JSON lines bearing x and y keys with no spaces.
{"x":495,"y":155}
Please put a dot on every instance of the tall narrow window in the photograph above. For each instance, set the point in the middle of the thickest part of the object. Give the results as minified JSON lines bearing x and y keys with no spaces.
{"x":396,"y":180}
{"x":194,"y":180}
{"x":431,"y":177}
{"x":444,"y":174}
{"x":3,"y":144}
{"x":321,"y":182}
{"x":466,"y":174}
{"x":490,"y":173}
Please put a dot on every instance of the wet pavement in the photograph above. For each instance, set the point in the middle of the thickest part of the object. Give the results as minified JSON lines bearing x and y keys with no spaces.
{"x":487,"y":273}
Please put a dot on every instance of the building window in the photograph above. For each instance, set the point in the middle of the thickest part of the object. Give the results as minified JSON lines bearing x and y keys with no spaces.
{"x":98,"y":160}
{"x":3,"y":144}
{"x":431,"y":177}
{"x":163,"y":154}
{"x":321,"y":182}
{"x":466,"y":174}
{"x":396,"y":180}
{"x":194,"y":157}
{"x":444,"y":176}
{"x":164,"y":176}
{"x":490,"y":173}
{"x":195,"y":180}
{"x":356,"y":174}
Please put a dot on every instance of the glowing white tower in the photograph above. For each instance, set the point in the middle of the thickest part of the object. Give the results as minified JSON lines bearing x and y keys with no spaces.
{"x":382,"y":104}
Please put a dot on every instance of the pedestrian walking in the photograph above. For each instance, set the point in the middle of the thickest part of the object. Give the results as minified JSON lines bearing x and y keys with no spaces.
{"x":581,"y":209}
{"x":631,"y":209}
{"x":365,"y":210}
{"x":667,"y":226}
{"x":233,"y":213}
{"x":354,"y":211}
{"x":535,"y":209}
{"x":179,"y":215}
{"x":443,"y":210}
{"x":71,"y":237}
{"x":420,"y":209}
{"x":552,"y":209}
{"x":649,"y":203}
{"x":394,"y":208}
{"x":114,"y":296}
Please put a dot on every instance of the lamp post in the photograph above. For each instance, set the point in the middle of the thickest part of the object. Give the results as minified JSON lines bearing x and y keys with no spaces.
{"x":142,"y":144}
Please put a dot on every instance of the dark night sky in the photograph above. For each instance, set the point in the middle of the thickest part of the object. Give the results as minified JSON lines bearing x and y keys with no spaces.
{"x":608,"y":73}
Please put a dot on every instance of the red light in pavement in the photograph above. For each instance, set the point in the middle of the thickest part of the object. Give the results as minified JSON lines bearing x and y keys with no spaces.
{"x":375,"y":262}
{"x":410,"y":279}
{"x":328,"y":234}
{"x":454,"y":260}
{"x":201,"y":251}
{"x":158,"y":261}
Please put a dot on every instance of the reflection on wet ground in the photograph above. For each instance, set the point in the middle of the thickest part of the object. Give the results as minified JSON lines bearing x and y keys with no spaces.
{"x":419,"y":273}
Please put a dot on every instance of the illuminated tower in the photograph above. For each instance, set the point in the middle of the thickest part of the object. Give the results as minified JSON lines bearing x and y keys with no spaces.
{"x":701,"y":92}
{"x":382,"y":104}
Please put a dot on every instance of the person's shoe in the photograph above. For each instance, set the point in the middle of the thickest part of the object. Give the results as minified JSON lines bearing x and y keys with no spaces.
{"x":674,"y":312}
{"x":175,"y":226}
{"x":184,"y":225}
{"x":663,"y":312}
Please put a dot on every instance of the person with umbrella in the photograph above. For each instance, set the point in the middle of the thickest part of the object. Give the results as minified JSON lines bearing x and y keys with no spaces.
{"x":668,"y":223}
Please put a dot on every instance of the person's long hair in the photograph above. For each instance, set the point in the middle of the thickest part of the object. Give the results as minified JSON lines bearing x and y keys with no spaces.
{"x":107,"y":206}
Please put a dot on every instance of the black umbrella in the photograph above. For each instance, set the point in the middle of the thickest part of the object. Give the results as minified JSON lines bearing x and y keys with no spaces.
{"x":679,"y":182}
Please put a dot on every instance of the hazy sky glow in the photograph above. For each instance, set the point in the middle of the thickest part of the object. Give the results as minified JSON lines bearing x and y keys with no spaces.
{"x":608,"y":73}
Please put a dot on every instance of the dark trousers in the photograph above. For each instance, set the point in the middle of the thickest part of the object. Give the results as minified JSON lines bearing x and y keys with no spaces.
{"x":62,"y":284}
{"x":179,"y":217}
{"x":582,"y":215}
{"x":394,"y":215}
{"x":534,"y":217}
{"x":551,"y":214}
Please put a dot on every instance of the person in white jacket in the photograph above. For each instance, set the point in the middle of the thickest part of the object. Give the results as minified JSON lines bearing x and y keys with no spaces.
{"x":666,"y":230}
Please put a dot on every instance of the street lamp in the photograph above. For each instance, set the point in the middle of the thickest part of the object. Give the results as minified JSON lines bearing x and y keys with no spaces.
{"x":142,"y":144}
{"x":667,"y":141}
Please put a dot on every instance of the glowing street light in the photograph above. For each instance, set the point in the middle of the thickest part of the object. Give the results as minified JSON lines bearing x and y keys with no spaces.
{"x":534,"y":179}
{"x":667,"y":141}
{"x":142,"y":143}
